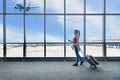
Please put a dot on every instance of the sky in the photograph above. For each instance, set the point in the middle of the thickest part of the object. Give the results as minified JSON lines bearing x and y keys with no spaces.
{"x":55,"y":23}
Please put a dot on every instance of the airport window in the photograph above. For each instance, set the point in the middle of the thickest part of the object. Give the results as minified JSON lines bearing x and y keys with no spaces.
{"x":112,"y":28}
{"x":35,"y":50}
{"x":74,"y":6}
{"x":72,"y":23}
{"x":35,"y":34}
{"x":70,"y":50}
{"x":113,"y":49}
{"x":1,"y":36}
{"x":94,"y":28}
{"x":14,"y":29}
{"x":94,"y":35}
{"x":113,"y":35}
{"x":34,"y":28}
{"x":94,"y":50}
{"x":1,"y":6}
{"x":1,"y":50}
{"x":14,"y":35}
{"x":35,"y":6}
{"x":55,"y":36}
{"x":14,"y":50}
{"x":43,"y":28}
{"x":14,"y":6}
{"x":54,"y":6}
{"x":1,"y":29}
{"x":112,"y":6}
{"x":94,"y":6}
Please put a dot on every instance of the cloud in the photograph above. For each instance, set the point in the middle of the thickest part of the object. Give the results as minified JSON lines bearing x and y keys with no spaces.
{"x":54,"y":38}
{"x":74,"y":6}
{"x":39,"y":37}
{"x":17,"y":36}
{"x":94,"y":23}
{"x":55,"y":5}
{"x":13,"y":35}
{"x":113,"y":26}
{"x":1,"y":32}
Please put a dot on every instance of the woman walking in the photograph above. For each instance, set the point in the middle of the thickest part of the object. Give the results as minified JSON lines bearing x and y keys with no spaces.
{"x":76,"y":47}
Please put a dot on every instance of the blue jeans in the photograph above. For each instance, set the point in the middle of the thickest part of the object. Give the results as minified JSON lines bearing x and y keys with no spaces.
{"x":78,"y":57}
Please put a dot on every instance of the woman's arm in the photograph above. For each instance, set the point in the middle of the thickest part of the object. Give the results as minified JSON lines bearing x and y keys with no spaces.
{"x":78,"y":36}
{"x":79,"y":46}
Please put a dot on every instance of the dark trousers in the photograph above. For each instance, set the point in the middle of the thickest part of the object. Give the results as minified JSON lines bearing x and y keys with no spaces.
{"x":78,"y":57}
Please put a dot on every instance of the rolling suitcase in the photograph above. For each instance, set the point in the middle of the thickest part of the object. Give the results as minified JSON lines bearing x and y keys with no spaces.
{"x":91,"y":60}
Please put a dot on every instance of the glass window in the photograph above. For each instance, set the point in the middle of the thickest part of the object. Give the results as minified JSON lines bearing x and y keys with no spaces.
{"x":113,"y":35}
{"x":14,"y":29}
{"x":55,"y":6}
{"x":35,"y":50}
{"x":14,"y":50}
{"x":1,"y":36}
{"x":72,"y":23}
{"x":35,"y":34}
{"x":94,"y":28}
{"x":70,"y":52}
{"x":1,"y":6}
{"x":1,"y":29}
{"x":94,"y":6}
{"x":14,"y":6}
{"x":112,"y":6}
{"x":54,"y":36}
{"x":94,"y":50}
{"x":113,"y":28}
{"x":34,"y":6}
{"x":113,"y":50}
{"x":34,"y":28}
{"x":74,"y":6}
{"x":1,"y":50}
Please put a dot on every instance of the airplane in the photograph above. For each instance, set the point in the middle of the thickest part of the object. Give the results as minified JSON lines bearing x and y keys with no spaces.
{"x":21,"y":7}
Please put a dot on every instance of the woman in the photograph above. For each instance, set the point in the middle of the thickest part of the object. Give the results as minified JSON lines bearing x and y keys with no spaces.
{"x":76,"y":47}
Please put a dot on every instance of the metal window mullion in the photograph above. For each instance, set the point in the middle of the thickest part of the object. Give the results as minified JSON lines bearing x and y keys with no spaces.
{"x":24,"y":44}
{"x":4,"y":29}
{"x":84,"y":27}
{"x":104,"y":31}
{"x":45,"y":28}
{"x":64,"y":29}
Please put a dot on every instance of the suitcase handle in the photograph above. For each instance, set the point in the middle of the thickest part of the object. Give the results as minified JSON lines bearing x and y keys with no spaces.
{"x":82,"y":53}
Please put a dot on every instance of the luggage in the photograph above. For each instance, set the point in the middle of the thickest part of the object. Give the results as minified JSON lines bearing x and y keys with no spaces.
{"x":91,"y":60}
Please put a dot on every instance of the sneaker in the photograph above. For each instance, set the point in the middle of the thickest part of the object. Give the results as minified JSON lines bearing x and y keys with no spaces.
{"x":75,"y":64}
{"x":81,"y":62}
{"x":97,"y":63}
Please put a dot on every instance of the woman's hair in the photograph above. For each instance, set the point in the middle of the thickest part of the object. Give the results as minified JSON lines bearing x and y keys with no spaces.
{"x":77,"y":32}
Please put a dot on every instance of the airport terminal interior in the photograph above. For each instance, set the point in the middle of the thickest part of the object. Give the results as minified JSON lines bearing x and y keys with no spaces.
{"x":37,"y":39}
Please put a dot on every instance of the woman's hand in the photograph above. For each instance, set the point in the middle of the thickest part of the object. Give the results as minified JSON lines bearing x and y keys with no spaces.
{"x":69,"y":40}
{"x":79,"y":49}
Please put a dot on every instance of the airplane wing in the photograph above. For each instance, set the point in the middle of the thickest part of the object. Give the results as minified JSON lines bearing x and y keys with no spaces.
{"x":11,"y":6}
{"x":33,"y":7}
